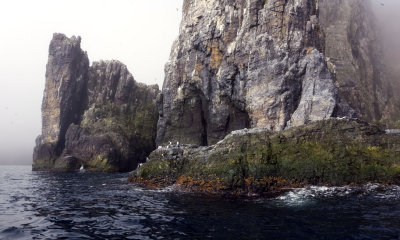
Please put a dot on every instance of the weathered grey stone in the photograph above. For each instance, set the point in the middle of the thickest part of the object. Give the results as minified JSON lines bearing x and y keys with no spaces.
{"x":64,"y":98}
{"x":118,"y":129}
{"x":318,"y":98}
{"x":239,"y":64}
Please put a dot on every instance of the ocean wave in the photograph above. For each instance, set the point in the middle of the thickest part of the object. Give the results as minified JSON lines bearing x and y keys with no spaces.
{"x":301,"y":196}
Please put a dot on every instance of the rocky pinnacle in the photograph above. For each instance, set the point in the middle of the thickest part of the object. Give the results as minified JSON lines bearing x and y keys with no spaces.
{"x":64,"y":98}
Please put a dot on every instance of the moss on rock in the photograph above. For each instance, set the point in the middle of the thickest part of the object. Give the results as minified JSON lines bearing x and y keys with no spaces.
{"x":333,"y":152}
{"x":115,"y":132}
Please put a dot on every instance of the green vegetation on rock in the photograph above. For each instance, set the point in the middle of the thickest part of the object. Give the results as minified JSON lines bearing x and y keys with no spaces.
{"x":333,"y":152}
{"x":116,"y":125}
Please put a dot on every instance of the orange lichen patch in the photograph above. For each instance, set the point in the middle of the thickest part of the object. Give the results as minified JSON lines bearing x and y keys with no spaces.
{"x":153,"y":183}
{"x":199,"y":67}
{"x":268,"y":185}
{"x":309,"y":50}
{"x":216,"y":58}
{"x":265,"y":187}
{"x":201,"y":185}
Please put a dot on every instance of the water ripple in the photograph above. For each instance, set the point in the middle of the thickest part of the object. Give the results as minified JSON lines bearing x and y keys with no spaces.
{"x":104,"y":206}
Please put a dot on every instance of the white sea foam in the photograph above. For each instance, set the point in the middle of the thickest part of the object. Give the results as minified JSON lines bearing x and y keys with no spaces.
{"x":158,"y":190}
{"x":302,"y":196}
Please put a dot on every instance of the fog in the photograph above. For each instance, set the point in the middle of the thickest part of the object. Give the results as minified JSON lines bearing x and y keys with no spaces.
{"x":139,"y":33}
{"x":387,"y":13}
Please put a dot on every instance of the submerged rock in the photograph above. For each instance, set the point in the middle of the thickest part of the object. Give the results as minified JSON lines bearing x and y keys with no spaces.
{"x":259,"y":161}
{"x":96,"y":116}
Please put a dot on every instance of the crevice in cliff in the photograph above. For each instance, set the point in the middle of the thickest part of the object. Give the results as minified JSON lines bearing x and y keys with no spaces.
{"x":204,"y":121}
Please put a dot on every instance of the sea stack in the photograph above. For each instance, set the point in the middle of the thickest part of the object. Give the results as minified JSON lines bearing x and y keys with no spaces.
{"x":97,"y":116}
{"x":64,"y":98}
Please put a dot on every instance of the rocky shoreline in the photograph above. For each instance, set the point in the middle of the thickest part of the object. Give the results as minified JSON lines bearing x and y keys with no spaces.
{"x":261,"y":162}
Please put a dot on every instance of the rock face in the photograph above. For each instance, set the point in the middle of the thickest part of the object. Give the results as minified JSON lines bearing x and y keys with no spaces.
{"x":354,"y":48}
{"x":282,"y":69}
{"x":65,"y":90}
{"x":96,"y":116}
{"x":119,"y":127}
{"x":259,"y":161}
{"x":242,"y":64}
{"x":263,"y":64}
{"x":64,"y":98}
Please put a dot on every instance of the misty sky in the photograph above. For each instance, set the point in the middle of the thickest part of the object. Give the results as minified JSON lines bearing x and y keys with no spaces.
{"x":137,"y":32}
{"x":389,"y":23}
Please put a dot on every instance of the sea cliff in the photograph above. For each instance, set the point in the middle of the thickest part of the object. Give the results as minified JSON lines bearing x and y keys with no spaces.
{"x":259,"y":96}
{"x":94,"y":116}
{"x":304,"y":78}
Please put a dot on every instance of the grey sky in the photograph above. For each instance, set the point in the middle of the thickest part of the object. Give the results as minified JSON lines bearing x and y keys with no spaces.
{"x":137,"y":32}
{"x":389,"y":23}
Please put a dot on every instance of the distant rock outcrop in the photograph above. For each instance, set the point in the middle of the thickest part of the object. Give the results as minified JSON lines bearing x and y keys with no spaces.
{"x":96,"y":116}
{"x":353,"y":46}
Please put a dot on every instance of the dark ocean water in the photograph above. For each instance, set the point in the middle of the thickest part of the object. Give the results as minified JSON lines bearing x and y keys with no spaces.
{"x":104,"y":206}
